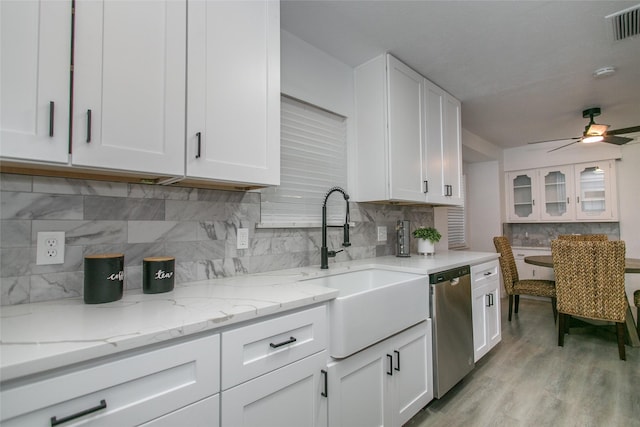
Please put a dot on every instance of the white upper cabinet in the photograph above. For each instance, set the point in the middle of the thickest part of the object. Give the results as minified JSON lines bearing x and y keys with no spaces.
{"x":443,"y":147}
{"x":233,"y":101}
{"x":596,"y":194}
{"x":405,"y":115}
{"x":34,"y":100}
{"x":408,"y":136}
{"x":581,"y":192}
{"x":130,"y":85}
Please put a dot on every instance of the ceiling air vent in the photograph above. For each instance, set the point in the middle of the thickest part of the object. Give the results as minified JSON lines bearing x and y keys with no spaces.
{"x":625,"y":23}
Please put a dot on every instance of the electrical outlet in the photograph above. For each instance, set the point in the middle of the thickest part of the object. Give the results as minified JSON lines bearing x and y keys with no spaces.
{"x":50,"y":248}
{"x":243,"y":238}
{"x":382,"y":234}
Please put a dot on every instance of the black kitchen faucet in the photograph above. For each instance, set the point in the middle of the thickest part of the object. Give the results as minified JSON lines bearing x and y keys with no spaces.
{"x":325,"y":253}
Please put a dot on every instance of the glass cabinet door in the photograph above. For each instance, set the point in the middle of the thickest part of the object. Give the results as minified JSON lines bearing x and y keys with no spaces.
{"x":523,"y":204}
{"x":557,"y":186}
{"x":594,"y":199}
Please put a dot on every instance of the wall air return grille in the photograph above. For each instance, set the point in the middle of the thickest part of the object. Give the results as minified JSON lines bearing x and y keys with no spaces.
{"x":626,"y":23}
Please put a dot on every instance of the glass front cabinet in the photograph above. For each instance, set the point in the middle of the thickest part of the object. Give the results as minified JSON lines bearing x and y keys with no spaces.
{"x":580,"y":192}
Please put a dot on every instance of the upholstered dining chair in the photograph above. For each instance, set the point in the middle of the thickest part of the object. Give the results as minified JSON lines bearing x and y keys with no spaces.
{"x":584,"y":237}
{"x":515,"y":287}
{"x":590,"y":284}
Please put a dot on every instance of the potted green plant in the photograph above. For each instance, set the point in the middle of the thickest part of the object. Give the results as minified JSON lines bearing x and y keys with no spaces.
{"x":427,"y":237}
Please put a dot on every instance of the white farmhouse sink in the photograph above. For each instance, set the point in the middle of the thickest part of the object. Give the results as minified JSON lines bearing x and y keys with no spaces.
{"x":373,"y":304}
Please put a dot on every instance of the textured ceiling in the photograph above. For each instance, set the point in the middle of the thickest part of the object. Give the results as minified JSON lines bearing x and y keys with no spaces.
{"x":522,"y":69}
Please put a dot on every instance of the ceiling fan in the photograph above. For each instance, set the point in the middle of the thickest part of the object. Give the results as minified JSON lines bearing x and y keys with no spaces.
{"x":594,"y":132}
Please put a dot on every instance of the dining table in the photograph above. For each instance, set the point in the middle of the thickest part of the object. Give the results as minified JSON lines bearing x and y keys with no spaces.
{"x":631,"y":265}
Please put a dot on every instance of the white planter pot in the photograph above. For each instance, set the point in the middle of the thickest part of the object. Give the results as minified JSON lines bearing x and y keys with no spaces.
{"x":426,"y":247}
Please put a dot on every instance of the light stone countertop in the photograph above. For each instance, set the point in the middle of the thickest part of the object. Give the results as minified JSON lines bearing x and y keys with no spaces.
{"x":38,"y":337}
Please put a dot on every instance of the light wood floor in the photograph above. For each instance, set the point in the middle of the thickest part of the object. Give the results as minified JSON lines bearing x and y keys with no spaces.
{"x":527,"y":380}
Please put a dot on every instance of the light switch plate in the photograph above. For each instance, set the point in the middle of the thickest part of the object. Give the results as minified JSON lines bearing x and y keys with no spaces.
{"x":382,"y":233}
{"x":243,"y":238}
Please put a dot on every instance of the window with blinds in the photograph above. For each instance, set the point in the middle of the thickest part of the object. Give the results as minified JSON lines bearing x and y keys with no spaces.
{"x":313,"y":158}
{"x":456,"y":223}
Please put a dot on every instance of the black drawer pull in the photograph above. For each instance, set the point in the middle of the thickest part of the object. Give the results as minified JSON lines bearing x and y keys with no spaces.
{"x":52,"y":107}
{"x":390,"y":371}
{"x":488,"y":273}
{"x":280,"y":344}
{"x":325,"y":393}
{"x":55,"y":421}
{"x":397,"y":368}
{"x":88,"y":126}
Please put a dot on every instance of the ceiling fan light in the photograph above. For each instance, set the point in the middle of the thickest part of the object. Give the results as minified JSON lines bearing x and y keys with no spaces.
{"x":593,"y":138}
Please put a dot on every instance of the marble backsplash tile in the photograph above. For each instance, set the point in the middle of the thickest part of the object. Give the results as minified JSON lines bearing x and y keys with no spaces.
{"x":541,"y":234}
{"x":196,"y":226}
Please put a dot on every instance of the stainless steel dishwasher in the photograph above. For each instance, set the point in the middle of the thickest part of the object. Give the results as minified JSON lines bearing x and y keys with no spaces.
{"x":452,"y":327}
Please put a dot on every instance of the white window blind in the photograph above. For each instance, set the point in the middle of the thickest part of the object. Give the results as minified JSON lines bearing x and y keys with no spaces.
{"x":456,"y":222}
{"x":313,"y":158}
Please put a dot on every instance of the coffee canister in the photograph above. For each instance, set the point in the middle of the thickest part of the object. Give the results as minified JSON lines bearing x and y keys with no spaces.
{"x":103,"y":278}
{"x":158,"y":274}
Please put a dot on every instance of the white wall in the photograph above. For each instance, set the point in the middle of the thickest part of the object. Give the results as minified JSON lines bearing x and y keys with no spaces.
{"x":629,"y":208}
{"x":483,"y":204}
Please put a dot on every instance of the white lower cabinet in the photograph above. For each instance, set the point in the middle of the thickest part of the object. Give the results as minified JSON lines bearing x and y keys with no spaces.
{"x":289,"y":396}
{"x":273,"y":371}
{"x":205,"y":413}
{"x":123,"y":391}
{"x":529,"y":271}
{"x":385,"y":384}
{"x":485,"y":294}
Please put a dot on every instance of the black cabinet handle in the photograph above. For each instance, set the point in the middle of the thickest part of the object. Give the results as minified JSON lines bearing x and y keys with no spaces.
{"x":55,"y":421}
{"x":280,"y":344}
{"x":88,"y":125}
{"x":390,"y":358}
{"x":488,"y":273}
{"x":397,"y":368}
{"x":488,"y":300}
{"x":426,"y":186}
{"x":325,"y":393}
{"x":52,"y":107}
{"x":199,"y":136}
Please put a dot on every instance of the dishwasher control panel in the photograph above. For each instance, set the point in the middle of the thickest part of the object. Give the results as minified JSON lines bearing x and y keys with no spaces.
{"x":446,"y":275}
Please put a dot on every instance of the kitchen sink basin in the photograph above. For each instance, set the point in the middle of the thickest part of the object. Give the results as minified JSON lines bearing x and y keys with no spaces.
{"x":373,"y":304}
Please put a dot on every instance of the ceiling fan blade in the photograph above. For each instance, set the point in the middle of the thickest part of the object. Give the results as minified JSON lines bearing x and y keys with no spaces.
{"x":618,"y":140}
{"x":562,"y":146}
{"x":554,"y":140}
{"x":623,"y":131}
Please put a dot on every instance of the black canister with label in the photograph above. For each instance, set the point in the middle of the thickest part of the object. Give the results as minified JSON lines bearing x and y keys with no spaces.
{"x":103,"y":278}
{"x":158,"y":274}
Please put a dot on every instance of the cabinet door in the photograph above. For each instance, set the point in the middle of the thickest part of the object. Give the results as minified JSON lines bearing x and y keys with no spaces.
{"x":556,"y":194}
{"x":452,"y":153}
{"x":405,"y":132}
{"x":289,"y":396}
{"x":434,"y":142}
{"x":205,"y":413}
{"x":596,"y":198}
{"x":412,"y":372}
{"x":358,"y":389}
{"x":233,"y":107}
{"x":493,"y":318}
{"x":130,"y":85}
{"x":481,"y":301}
{"x":521,"y":199}
{"x":36,"y":59}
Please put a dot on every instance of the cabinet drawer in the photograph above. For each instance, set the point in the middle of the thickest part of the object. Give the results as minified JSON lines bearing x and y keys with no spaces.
{"x":253,"y":350}
{"x":484,"y":272}
{"x":134,"y":389}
